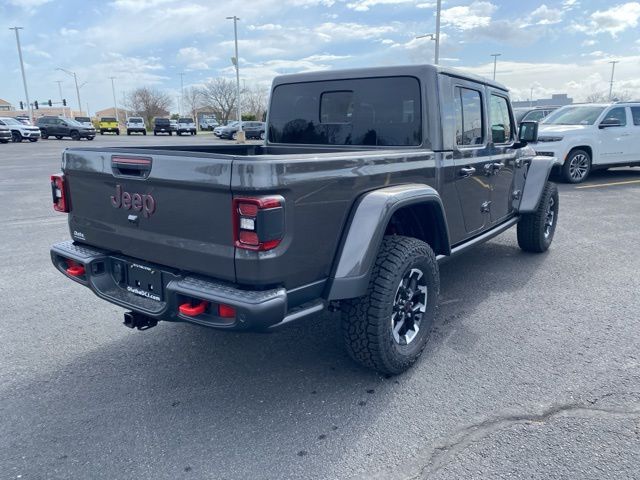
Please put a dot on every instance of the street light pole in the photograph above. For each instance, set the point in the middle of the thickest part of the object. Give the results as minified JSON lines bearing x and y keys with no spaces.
{"x":75,"y":79}
{"x":59,"y":82}
{"x":182,"y":92}
{"x":613,"y":69}
{"x":115,"y":104}
{"x":24,"y":77}
{"x":236,"y":62}
{"x":495,"y":63}
{"x":436,"y":56}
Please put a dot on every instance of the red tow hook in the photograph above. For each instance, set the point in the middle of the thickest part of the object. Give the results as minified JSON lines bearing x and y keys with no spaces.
{"x":193,"y":310}
{"x":75,"y":269}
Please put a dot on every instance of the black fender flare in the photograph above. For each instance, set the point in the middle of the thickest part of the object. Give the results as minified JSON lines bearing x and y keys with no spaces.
{"x":364,"y":232}
{"x":536,"y":179}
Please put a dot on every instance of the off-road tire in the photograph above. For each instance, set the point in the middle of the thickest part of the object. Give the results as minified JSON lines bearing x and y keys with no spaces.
{"x":572,"y":157}
{"x":367,"y":321}
{"x":532,"y":227}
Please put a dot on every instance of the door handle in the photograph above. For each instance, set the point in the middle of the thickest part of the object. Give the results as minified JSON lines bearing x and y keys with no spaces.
{"x":467,"y":171}
{"x":497,"y":166}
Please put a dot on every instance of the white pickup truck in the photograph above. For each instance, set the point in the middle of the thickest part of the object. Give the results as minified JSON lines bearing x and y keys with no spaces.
{"x":590,"y":136}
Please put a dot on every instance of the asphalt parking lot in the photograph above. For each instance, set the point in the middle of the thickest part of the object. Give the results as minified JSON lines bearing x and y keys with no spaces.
{"x":533,"y":369}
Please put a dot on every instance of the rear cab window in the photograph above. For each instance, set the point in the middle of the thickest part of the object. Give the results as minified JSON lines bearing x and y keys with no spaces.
{"x":383,"y":111}
{"x":468,"y":115}
{"x":635,"y":114}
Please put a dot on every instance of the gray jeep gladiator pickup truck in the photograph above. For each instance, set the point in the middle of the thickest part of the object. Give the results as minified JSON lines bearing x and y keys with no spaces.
{"x":366,"y":180}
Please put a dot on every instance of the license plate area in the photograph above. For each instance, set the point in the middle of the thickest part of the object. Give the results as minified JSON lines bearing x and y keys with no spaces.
{"x":144,"y":281}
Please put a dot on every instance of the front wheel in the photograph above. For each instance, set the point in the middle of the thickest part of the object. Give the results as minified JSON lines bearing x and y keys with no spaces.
{"x":33,"y":140}
{"x":536,"y":229}
{"x":388,"y":328}
{"x":144,"y":133}
{"x":75,"y":136}
{"x":118,"y":132}
{"x":90,"y":138}
{"x":577,"y":166}
{"x":16,"y":137}
{"x":262,"y":135}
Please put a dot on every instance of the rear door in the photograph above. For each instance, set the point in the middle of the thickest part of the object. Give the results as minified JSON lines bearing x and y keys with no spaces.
{"x":168,"y":208}
{"x":617,"y":144}
{"x":471,"y":154}
{"x":503,"y":155}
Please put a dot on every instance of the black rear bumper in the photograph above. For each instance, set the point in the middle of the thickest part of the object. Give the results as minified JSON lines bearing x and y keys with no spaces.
{"x":255,"y":309}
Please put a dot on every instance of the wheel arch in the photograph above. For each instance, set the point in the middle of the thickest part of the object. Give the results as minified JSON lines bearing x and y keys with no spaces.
{"x":413,"y":210}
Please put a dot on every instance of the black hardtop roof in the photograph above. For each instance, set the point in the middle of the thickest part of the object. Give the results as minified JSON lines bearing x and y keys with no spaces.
{"x":392,"y":71}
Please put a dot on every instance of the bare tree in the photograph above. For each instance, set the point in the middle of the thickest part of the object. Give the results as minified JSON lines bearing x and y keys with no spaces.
{"x":603,"y":97}
{"x":193,"y":100}
{"x":148,"y":102}
{"x":220,"y":95}
{"x":254,"y":101}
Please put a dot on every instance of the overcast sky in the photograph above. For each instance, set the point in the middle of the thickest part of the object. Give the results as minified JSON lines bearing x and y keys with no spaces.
{"x":555,"y":46}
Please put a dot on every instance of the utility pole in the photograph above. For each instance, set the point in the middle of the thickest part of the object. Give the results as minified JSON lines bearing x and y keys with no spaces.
{"x":115,"y":104}
{"x":24,"y":77}
{"x":495,"y":63}
{"x":75,"y":79}
{"x":430,"y":36}
{"x":236,"y":62}
{"x":531,"y":98}
{"x":59,"y":82}
{"x":436,"y":56}
{"x":613,"y":69}
{"x":182,"y":93}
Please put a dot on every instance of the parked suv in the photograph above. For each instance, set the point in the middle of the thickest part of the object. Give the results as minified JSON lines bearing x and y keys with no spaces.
{"x":136,"y":125}
{"x":60,"y":127}
{"x":85,"y":121}
{"x":532,"y":114}
{"x":591,"y":136}
{"x":186,"y":125}
{"x":109,"y":124}
{"x":20,"y":131}
{"x":254,"y":129}
{"x":367,"y":180}
{"x":162,"y":125}
{"x":5,"y":134}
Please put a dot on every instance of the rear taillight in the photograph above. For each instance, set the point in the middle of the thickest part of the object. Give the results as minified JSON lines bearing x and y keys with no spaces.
{"x":59,"y":193}
{"x":258,"y":222}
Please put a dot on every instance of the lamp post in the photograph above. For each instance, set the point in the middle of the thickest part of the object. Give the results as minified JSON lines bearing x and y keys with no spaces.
{"x":24,"y":77}
{"x":495,"y":63}
{"x":181,"y":93}
{"x":613,"y":69}
{"x":236,"y":62}
{"x":75,"y":79}
{"x":436,"y":56}
{"x":115,"y":104}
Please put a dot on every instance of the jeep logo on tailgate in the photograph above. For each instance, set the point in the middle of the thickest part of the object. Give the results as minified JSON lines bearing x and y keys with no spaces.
{"x":133,"y":201}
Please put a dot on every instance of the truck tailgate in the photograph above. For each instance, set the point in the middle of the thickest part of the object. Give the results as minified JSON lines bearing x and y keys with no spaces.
{"x":154,"y":206}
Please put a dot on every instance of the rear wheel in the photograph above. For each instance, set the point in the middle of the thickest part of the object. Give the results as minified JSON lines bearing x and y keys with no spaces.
{"x":577,"y":166}
{"x":536,"y":230}
{"x":261,"y":135}
{"x":234,"y":136}
{"x":118,"y":131}
{"x":145,"y":132}
{"x":388,"y":328}
{"x":16,"y":136}
{"x":128,"y":132}
{"x":44,"y":134}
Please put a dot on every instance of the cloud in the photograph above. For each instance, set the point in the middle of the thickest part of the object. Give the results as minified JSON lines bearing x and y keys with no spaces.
{"x":195,"y":59}
{"x":67,"y":32}
{"x":613,"y":21}
{"x":468,"y":17}
{"x":544,"y":15}
{"x":331,"y":31}
{"x":364,"y":5}
{"x":588,"y":43}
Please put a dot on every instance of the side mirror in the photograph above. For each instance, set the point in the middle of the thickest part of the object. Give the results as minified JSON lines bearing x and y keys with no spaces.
{"x":610,"y":122}
{"x":527,"y":133}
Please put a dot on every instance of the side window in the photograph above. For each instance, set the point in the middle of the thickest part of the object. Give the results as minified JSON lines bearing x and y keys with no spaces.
{"x":535,"y":116}
{"x":618,"y":114}
{"x":468,"y":116}
{"x":501,"y":127}
{"x":635,"y":113}
{"x":1,"y":122}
